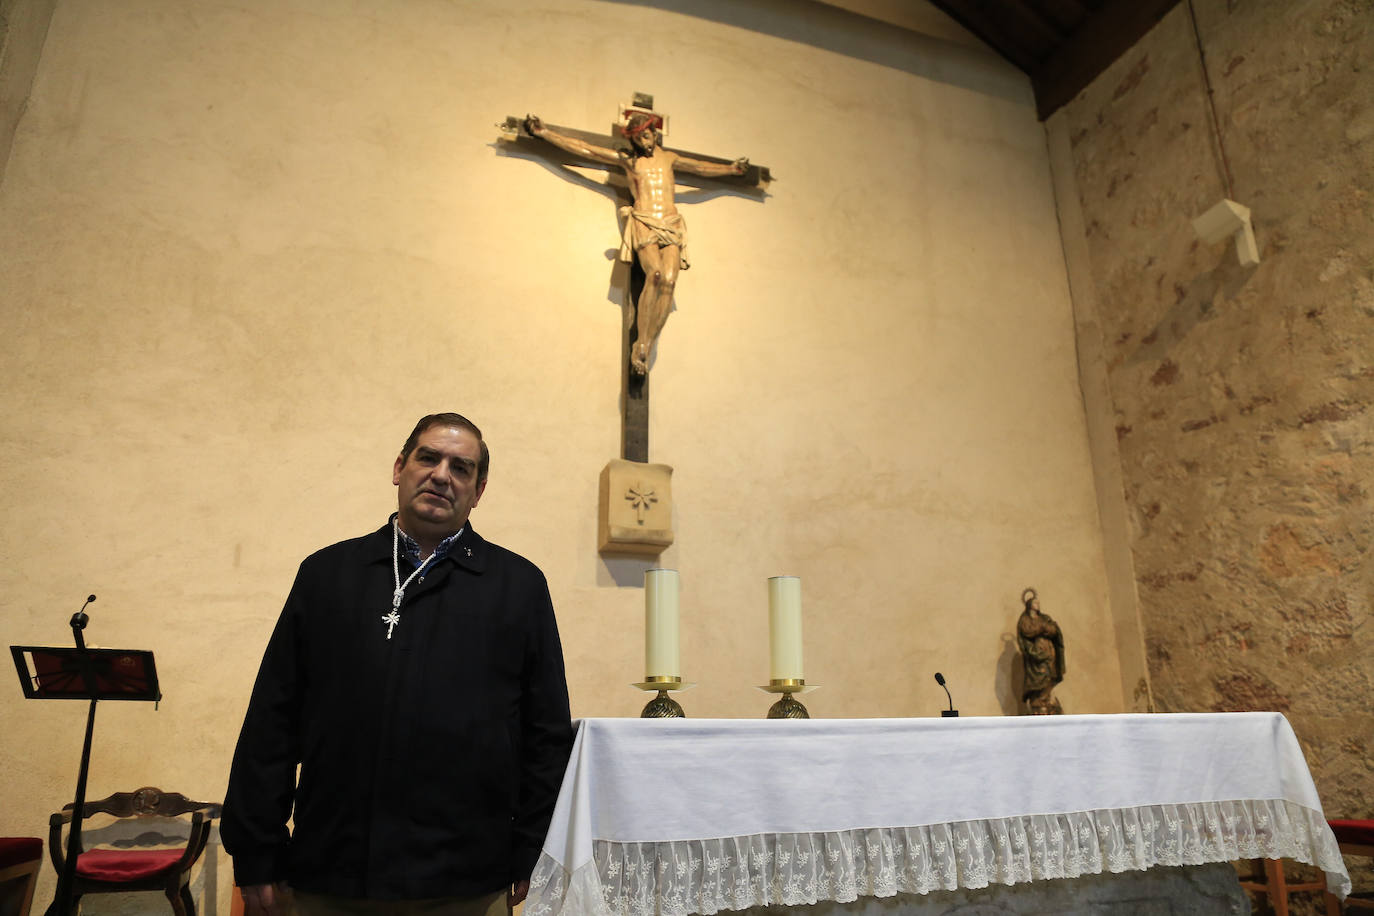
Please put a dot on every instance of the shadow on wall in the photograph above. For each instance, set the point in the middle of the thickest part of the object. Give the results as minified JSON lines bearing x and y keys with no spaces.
{"x":842,"y":32}
{"x":1194,"y":304}
{"x":1010,"y":671}
{"x":623,"y":571}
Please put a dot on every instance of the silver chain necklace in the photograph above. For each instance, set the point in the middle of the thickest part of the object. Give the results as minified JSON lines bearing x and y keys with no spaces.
{"x":396,"y":597}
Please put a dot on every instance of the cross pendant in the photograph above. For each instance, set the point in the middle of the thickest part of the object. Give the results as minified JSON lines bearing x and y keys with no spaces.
{"x":391,"y":620}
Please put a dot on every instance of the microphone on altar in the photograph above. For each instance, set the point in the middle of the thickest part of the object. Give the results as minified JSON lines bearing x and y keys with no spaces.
{"x":940,"y":679}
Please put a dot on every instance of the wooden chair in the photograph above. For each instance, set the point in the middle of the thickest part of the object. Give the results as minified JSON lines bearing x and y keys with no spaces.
{"x":1355,"y":838}
{"x":1269,"y":881}
{"x":115,"y":871}
{"x":20,"y":859}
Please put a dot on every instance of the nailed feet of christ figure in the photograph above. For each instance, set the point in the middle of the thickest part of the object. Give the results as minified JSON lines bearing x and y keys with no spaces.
{"x":655,"y":232}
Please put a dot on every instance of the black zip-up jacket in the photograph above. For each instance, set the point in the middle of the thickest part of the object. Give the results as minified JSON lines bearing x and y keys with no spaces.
{"x":429,"y":762}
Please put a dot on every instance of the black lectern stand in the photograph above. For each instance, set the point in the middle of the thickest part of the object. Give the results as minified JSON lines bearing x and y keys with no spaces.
{"x":48,"y":673}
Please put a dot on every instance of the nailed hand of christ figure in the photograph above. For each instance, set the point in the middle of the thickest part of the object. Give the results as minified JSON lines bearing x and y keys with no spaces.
{"x":655,"y":233}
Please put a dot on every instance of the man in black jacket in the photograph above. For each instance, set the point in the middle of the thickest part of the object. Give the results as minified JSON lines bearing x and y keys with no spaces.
{"x":416,"y":676}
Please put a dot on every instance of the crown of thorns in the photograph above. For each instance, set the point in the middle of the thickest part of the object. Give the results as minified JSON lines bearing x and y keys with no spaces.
{"x":646,"y":121}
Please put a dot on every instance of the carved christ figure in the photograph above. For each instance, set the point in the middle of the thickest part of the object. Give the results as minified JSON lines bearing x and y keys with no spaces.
{"x":654,"y":229}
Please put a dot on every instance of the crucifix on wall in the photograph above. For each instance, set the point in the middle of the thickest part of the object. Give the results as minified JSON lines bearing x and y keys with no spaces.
{"x":653,"y":242}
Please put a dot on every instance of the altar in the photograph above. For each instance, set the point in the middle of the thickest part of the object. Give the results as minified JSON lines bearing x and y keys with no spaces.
{"x":682,"y":816}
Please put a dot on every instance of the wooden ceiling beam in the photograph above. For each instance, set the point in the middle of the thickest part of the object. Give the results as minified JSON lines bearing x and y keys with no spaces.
{"x":1099,"y":41}
{"x":1067,"y":15}
{"x":1044,"y":28}
{"x":986,"y":19}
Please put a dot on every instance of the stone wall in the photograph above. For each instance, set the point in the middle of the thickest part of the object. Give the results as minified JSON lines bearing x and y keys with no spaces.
{"x":1241,"y":397}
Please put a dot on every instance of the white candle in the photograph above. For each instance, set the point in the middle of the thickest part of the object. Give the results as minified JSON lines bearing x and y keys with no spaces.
{"x":784,"y":628}
{"x":661,"y":658}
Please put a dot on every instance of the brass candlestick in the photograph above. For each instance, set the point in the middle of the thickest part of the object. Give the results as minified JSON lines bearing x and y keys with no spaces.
{"x":788,"y":707}
{"x":663,"y":706}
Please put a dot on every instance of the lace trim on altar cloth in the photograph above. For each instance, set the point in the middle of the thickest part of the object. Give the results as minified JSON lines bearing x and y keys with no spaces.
{"x":795,"y":869}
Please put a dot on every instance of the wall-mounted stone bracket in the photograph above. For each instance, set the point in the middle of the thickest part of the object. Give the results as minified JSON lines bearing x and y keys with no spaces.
{"x":1229,"y":218}
{"x":636,"y":512}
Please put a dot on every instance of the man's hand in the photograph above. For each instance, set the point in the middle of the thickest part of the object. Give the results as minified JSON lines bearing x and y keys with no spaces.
{"x":517,"y":893}
{"x":265,"y":899}
{"x":534,"y":124}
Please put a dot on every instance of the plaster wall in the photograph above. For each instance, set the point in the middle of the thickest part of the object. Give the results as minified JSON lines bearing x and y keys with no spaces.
{"x":1241,"y":397}
{"x":23,"y":27}
{"x":244,"y":245}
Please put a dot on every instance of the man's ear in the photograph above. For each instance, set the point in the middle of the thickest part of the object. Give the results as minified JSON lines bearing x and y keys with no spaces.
{"x":396,"y":471}
{"x":481,"y":488}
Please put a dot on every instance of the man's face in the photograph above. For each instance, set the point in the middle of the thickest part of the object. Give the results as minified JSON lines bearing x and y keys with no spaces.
{"x":646,"y":139}
{"x":437,"y":483}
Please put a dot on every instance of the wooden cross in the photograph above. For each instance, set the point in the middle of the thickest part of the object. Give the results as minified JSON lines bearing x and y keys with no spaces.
{"x":654,"y":232}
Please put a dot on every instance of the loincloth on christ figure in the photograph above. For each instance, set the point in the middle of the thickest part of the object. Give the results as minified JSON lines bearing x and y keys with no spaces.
{"x":643,"y":229}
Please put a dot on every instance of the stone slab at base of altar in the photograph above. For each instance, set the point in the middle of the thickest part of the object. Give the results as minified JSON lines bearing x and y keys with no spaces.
{"x":636,"y":508}
{"x":1188,"y":890}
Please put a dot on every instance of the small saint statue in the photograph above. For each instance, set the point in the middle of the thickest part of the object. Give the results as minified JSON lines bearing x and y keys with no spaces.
{"x":1042,"y":649}
{"x":654,"y":229}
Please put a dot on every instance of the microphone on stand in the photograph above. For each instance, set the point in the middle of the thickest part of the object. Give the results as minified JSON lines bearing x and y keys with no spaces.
{"x":79,"y":621}
{"x":940,"y":679}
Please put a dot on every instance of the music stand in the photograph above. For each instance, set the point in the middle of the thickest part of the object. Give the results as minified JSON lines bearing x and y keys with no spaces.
{"x":51,"y":673}
{"x":48,"y":673}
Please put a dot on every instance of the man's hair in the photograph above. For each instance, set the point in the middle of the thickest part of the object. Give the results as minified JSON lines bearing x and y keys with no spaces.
{"x":449,"y":419}
{"x":636,"y":124}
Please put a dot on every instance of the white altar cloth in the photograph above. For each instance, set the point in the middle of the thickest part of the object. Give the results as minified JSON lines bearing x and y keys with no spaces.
{"x":680,"y":816}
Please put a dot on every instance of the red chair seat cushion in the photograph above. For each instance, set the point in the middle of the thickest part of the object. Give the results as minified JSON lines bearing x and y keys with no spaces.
{"x":1353,"y":831}
{"x":16,"y":850}
{"x":118,"y":865}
